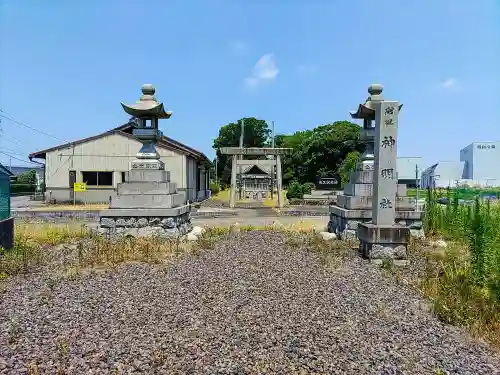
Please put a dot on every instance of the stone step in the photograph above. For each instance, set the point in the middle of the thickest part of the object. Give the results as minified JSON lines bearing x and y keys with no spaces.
{"x":146,"y":188}
{"x":361,"y":177}
{"x":148,"y":201}
{"x":367,"y":189}
{"x":140,"y":175}
{"x":367,"y":214}
{"x":365,"y":202}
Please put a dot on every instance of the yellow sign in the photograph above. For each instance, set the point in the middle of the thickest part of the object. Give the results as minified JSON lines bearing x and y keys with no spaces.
{"x":80,"y":186}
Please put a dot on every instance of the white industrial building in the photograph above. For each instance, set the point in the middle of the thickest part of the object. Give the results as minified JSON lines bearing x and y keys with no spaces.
{"x":409,"y":170}
{"x":102,"y":161}
{"x":478,"y":166}
{"x":442,"y":175}
{"x":481,"y":163}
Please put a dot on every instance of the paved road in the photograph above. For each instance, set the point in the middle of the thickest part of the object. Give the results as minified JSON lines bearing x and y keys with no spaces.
{"x":23,"y":202}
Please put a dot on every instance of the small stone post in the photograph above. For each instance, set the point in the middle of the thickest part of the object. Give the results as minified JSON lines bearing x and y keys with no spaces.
{"x":279,"y":180}
{"x":232,"y":199}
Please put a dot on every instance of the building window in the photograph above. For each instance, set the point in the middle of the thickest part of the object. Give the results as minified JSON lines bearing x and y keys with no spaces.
{"x":123,"y":176}
{"x":98,"y":178}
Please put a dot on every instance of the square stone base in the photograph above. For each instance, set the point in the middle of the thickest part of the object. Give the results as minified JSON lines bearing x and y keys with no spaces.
{"x":164,"y":223}
{"x":344,"y":222}
{"x":379,"y":242}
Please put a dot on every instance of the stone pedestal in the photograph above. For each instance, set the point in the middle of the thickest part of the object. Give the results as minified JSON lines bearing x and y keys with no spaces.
{"x":380,"y":242}
{"x":372,"y":194}
{"x":354,"y":207}
{"x":147,"y":205}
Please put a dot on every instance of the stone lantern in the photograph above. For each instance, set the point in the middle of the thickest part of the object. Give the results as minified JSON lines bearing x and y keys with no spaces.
{"x":148,"y":202}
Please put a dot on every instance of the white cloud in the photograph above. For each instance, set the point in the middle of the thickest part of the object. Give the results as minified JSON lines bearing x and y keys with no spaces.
{"x":240,"y":48}
{"x":449,"y":83}
{"x":265,"y":70}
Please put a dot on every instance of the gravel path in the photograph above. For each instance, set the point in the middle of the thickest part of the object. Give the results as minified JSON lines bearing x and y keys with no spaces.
{"x":252,"y":306}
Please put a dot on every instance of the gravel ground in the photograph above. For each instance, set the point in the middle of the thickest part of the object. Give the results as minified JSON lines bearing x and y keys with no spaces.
{"x":251,"y":306}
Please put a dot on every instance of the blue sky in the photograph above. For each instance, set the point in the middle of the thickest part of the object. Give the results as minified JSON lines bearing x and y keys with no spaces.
{"x":66,"y":65}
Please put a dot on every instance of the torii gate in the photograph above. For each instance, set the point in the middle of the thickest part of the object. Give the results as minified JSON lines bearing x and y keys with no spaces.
{"x":255,"y":151}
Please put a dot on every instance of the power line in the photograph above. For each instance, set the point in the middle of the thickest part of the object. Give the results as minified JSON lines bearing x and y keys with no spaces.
{"x":12,"y":151}
{"x":29,"y":127}
{"x":13,"y":157}
{"x":13,"y":140}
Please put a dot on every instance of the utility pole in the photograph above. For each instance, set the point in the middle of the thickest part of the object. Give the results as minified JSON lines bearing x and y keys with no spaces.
{"x":216,"y":162}
{"x":273,"y":166}
{"x":417,"y":184}
{"x":241,"y":156}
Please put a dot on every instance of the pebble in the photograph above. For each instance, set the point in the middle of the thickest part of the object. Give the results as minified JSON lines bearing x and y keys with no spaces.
{"x":198,"y":231}
{"x":251,"y":306}
{"x":327,"y":236}
{"x":439,"y":244}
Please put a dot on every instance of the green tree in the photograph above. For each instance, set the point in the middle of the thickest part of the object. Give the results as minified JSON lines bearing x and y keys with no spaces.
{"x":256,"y":134}
{"x":319,"y":152}
{"x":27,"y":178}
{"x":348,"y":165}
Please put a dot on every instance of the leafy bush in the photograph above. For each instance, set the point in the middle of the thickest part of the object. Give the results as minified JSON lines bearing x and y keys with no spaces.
{"x":295,"y":190}
{"x":468,"y":290}
{"x":309,"y":187}
{"x":214,"y":188}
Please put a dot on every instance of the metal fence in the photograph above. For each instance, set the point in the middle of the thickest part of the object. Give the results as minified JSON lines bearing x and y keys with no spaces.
{"x":4,"y":197}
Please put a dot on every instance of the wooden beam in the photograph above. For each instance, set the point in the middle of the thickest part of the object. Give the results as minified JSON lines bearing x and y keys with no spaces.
{"x":255,"y":151}
{"x":257,"y":162}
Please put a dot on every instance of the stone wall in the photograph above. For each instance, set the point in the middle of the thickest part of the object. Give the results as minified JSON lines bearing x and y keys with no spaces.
{"x":146,"y":226}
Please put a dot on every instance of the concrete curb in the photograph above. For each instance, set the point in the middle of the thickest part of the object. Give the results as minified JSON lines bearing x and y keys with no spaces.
{"x":94,"y":215}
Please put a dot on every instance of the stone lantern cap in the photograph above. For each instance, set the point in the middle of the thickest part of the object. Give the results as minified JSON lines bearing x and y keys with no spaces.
{"x":147,"y":106}
{"x":366,"y":111}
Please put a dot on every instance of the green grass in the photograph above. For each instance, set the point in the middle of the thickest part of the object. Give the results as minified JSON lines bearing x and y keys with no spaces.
{"x":464,"y":283}
{"x":462,"y":193}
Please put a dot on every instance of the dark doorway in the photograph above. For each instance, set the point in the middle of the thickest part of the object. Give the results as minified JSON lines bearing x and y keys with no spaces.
{"x":72,"y":180}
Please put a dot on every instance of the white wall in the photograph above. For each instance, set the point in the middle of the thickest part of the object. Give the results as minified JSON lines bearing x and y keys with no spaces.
{"x":109,"y":153}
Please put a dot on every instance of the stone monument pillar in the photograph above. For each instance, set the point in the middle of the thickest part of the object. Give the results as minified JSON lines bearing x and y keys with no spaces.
{"x":148,"y":203}
{"x":382,"y":237}
{"x":356,"y":204}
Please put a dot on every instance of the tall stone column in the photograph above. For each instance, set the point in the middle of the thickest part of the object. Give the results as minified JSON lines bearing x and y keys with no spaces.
{"x":279,"y":181}
{"x":232,"y":200}
{"x":385,"y":176}
{"x":382,"y":238}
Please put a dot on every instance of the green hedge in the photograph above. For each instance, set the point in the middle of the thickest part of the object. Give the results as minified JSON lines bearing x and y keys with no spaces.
{"x":19,"y":189}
